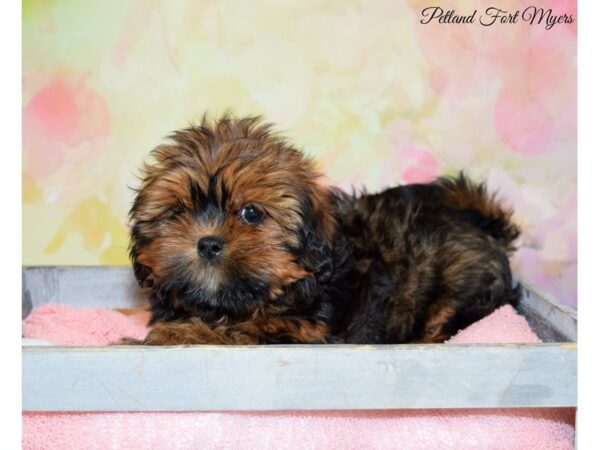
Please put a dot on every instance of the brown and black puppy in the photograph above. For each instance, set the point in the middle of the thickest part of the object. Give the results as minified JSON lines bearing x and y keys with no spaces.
{"x":236,"y":240}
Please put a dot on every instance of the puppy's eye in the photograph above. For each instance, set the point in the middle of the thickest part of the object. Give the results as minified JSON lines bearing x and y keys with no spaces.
{"x":250,"y":215}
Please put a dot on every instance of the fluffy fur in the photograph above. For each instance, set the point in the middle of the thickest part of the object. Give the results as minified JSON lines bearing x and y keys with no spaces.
{"x":287,"y":259}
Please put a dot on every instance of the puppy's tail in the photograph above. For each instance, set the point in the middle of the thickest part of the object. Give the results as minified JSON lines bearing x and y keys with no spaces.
{"x":475,"y":205}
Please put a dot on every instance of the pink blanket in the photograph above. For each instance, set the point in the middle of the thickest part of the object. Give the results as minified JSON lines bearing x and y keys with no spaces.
{"x":406,"y":429}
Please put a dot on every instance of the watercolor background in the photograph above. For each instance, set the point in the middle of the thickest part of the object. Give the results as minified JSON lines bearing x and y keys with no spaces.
{"x":376,"y":97}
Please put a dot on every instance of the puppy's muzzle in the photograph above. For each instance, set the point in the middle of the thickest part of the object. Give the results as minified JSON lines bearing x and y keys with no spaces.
{"x":211,"y":247}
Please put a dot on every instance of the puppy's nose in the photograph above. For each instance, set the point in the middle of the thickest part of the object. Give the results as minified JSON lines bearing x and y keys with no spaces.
{"x":210,"y":247}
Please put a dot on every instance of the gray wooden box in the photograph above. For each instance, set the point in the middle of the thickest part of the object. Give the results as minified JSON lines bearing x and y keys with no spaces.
{"x":288,"y":377}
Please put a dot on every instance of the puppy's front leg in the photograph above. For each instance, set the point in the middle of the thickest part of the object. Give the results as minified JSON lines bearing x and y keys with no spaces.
{"x":190,"y":331}
{"x":261,"y":330}
{"x":275,"y":330}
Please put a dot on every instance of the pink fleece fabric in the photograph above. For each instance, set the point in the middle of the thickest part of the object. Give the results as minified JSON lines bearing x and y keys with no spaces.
{"x":64,"y":325}
{"x":503,"y":326}
{"x":392,"y":429}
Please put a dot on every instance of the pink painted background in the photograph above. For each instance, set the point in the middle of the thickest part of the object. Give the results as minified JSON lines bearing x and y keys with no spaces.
{"x":376,"y":97}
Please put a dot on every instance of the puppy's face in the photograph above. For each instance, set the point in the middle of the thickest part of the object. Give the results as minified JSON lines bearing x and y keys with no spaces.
{"x":225,"y":219}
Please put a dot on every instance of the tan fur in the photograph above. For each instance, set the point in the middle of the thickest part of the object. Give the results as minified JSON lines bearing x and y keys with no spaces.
{"x":194,"y":331}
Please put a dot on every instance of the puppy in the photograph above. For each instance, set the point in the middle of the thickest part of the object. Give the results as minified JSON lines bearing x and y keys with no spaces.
{"x":236,"y":240}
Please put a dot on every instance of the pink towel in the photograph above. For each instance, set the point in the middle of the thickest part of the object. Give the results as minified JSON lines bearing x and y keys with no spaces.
{"x":406,"y":429}
{"x":503,"y":326}
{"x":64,"y":325}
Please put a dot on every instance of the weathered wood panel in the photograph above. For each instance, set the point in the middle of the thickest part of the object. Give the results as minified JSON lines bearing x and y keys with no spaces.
{"x":298,"y":377}
{"x":551,"y":319}
{"x":85,"y":287}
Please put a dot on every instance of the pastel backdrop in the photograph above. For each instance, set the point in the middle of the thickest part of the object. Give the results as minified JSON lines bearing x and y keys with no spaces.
{"x":373,"y":95}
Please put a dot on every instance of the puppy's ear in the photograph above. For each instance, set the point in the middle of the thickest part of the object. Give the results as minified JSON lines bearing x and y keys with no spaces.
{"x":317,"y":232}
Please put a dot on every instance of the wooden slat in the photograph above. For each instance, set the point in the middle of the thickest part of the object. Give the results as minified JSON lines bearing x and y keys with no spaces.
{"x":298,"y":377}
{"x":549,"y":312}
{"x":85,"y":287}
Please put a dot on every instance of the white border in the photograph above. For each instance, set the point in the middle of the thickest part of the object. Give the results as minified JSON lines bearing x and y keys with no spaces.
{"x":588,"y":218}
{"x":10,"y":178}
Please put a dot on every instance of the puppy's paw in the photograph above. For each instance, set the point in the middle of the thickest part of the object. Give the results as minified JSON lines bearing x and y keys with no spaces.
{"x":129,"y":341}
{"x":190,"y":332}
